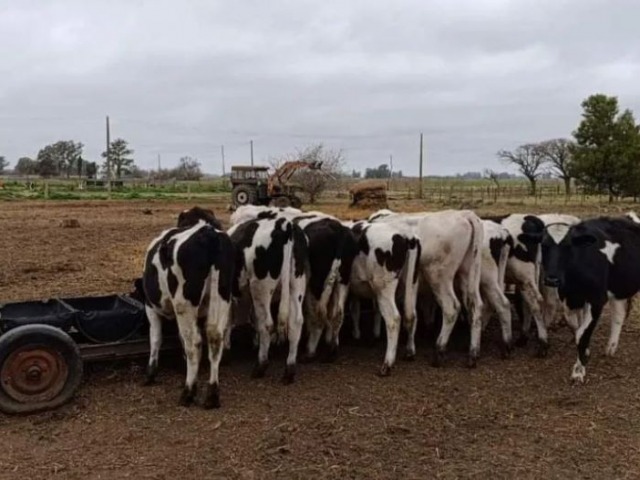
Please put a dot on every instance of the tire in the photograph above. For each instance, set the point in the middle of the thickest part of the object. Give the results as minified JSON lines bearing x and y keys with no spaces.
{"x":243,"y":195}
{"x":40,"y":369}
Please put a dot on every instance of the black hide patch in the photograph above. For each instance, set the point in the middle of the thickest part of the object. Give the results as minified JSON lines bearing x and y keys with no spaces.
{"x":495,"y":247}
{"x":269,"y":261}
{"x":150,"y":276}
{"x":268,"y":215}
{"x":393,"y":260}
{"x":189,"y":218}
{"x":300,"y":251}
{"x":242,"y":238}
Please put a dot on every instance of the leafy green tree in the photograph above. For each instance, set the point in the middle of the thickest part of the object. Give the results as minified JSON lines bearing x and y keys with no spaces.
{"x":557,"y":153}
{"x":27,"y":166}
{"x":4,"y":163}
{"x":91,"y":169}
{"x":119,"y":155}
{"x":607,"y":150}
{"x":381,"y":172}
{"x":60,"y":157}
{"x":529,"y":159}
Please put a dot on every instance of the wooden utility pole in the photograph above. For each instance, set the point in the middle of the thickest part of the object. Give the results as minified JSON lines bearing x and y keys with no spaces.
{"x":222,"y":152}
{"x":108,"y":159}
{"x":390,"y":171}
{"x":420,"y":174}
{"x":159,"y":164}
{"x":252,"y":153}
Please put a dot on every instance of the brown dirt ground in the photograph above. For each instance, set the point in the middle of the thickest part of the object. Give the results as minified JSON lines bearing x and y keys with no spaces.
{"x":516,"y":418}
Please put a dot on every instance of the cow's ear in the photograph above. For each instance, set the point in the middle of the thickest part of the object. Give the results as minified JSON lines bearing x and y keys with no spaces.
{"x":583,"y":240}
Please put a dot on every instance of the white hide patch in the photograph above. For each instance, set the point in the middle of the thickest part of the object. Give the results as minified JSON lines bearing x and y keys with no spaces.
{"x":609,"y":250}
{"x":558,"y":232}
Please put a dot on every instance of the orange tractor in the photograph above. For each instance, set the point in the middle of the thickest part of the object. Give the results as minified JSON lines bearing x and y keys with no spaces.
{"x":255,"y":186}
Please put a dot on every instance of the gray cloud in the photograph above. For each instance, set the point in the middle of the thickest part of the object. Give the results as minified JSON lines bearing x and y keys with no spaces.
{"x":474,"y":76}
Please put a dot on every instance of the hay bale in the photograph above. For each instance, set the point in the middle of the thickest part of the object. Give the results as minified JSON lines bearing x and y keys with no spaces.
{"x":369,"y":194}
{"x":70,"y":223}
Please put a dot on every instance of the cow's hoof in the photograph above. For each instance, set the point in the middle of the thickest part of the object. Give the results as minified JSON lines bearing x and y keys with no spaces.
{"x":259,"y":370}
{"x":306,"y":358}
{"x":289,"y":374}
{"x":212,"y":397}
{"x":506,"y":350}
{"x":472,"y":361}
{"x":331,"y":355}
{"x":384,"y":371}
{"x":188,"y":396}
{"x":543,"y":349}
{"x":152,"y":372}
{"x":409,"y":356}
{"x":522,"y":341}
{"x":578,"y":374}
{"x":437,"y":358}
{"x":611,"y":349}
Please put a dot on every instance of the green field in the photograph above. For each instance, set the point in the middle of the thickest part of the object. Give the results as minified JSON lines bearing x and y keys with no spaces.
{"x":441,"y":191}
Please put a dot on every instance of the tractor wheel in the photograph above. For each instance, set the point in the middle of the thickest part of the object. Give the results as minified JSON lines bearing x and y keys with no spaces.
{"x":40,"y":369}
{"x":243,"y":195}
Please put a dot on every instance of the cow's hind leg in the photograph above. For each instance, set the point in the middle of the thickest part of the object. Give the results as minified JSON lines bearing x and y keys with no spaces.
{"x":155,"y":342}
{"x":500,"y":304}
{"x":192,"y":341}
{"x":450,"y":305}
{"x":619,"y":312}
{"x":216,"y":327}
{"x":391,"y":315}
{"x":296,"y":320}
{"x":261,"y":295}
{"x":583,"y":339}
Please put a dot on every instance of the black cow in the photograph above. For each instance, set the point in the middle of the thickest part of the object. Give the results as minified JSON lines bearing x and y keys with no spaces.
{"x":593,"y":263}
{"x":188,"y":273}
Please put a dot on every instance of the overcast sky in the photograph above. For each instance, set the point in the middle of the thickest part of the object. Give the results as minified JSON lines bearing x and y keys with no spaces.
{"x":183,"y":78}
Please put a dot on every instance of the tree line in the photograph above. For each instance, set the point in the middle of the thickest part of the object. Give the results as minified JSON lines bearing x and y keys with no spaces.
{"x":65,"y":159}
{"x":603,"y":156}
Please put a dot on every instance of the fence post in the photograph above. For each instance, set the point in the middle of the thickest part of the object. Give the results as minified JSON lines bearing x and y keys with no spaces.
{"x":46,"y":189}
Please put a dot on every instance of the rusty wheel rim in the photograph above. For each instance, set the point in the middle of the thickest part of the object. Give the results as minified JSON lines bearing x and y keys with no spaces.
{"x":34,"y":374}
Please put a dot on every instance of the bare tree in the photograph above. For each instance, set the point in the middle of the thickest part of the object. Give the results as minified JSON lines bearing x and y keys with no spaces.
{"x":557,"y":153}
{"x":529,"y":160}
{"x":313,"y":182}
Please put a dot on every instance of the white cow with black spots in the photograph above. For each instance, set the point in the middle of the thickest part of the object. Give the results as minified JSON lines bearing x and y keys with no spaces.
{"x":188,"y":271}
{"x":451,"y":257}
{"x":386,"y":269}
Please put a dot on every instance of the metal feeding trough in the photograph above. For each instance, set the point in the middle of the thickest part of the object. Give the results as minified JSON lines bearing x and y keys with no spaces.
{"x":44,"y":344}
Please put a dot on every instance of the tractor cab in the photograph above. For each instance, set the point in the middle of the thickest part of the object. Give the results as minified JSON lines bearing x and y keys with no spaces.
{"x":249,"y":185}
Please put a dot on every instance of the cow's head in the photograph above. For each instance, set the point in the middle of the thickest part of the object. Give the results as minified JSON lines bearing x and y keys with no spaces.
{"x":188,"y":218}
{"x":559,"y":244}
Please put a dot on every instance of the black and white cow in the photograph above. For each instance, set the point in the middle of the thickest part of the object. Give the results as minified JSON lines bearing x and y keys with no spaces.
{"x":386,"y":268}
{"x":593,"y":263}
{"x":497,"y":245}
{"x":451,"y":257}
{"x":188,"y":273}
{"x":332,"y":249}
{"x":523,"y":270}
{"x":270,"y":262}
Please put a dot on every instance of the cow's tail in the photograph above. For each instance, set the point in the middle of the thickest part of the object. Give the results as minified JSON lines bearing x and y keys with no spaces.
{"x":285,"y":282}
{"x":473,"y":260}
{"x":410,"y":280}
{"x":504,"y":259}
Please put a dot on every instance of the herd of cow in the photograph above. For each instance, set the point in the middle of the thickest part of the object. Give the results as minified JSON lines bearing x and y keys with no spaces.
{"x":308,"y":265}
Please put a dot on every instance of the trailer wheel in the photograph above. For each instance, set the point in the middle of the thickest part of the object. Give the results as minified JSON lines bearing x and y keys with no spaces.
{"x":40,"y":368}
